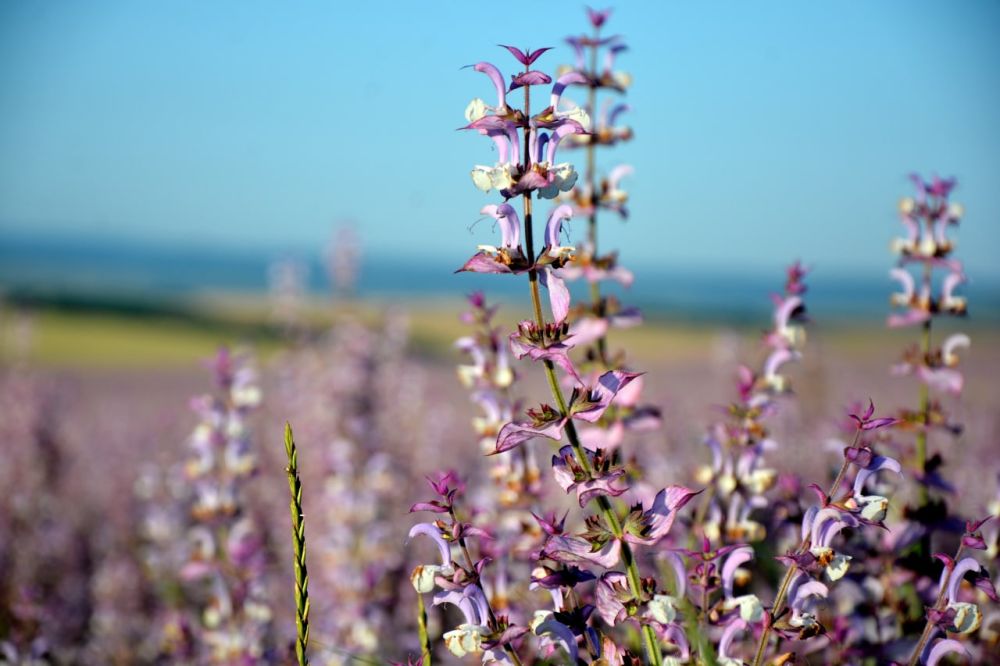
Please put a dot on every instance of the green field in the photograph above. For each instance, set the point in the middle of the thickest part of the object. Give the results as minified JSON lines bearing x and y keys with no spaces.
{"x":153,"y":336}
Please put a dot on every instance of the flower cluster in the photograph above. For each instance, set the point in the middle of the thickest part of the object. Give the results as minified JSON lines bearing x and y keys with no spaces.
{"x":738,"y":479}
{"x":702,"y":603}
{"x":226,"y":556}
{"x":355,"y":400}
{"x":538,"y":171}
{"x":459,"y":583}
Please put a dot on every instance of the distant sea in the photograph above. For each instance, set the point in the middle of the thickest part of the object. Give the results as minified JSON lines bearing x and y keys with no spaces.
{"x":51,"y":266}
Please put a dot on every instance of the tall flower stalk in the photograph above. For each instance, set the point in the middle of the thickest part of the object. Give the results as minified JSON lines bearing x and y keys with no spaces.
{"x":791,"y":613}
{"x":590,"y":196}
{"x":563,"y":408}
{"x":927,"y":218}
{"x":524,"y":173}
{"x":737,"y":480}
{"x":950,"y":614}
{"x":227,"y":556}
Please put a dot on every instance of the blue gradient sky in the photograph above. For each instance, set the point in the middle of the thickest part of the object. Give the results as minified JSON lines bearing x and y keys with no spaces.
{"x":765,"y":131}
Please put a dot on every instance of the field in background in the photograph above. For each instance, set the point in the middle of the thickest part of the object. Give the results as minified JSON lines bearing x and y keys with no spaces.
{"x":149,"y":361}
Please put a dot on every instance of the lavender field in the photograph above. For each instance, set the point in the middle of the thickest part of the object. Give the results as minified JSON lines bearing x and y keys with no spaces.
{"x":475,"y":430}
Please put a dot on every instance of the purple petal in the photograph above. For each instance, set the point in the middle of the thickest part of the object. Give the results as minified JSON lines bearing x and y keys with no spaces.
{"x":602,"y":393}
{"x":489,"y":122}
{"x":585,"y":331}
{"x":482,"y":262}
{"x":619,"y":172}
{"x":577,"y":45}
{"x":534,"y":55}
{"x":431,"y":530}
{"x":497,"y":78}
{"x":778,"y":358}
{"x":513,"y":435}
{"x":428,"y":506}
{"x":615,"y":112}
{"x":570,"y":549}
{"x":502,"y":142}
{"x":878,"y":423}
{"x":729,"y":634}
{"x":783,"y":314}
{"x":985,"y":584}
{"x":585,"y":490}
{"x":558,"y":294}
{"x":471,"y":605}
{"x":609,"y":57}
{"x":567,"y":79}
{"x":562,"y":633}
{"x":556,"y":353}
{"x":736,"y":558}
{"x":877,"y":464}
{"x":943,"y":647}
{"x":553,"y":227}
{"x":662,"y":513}
{"x":564,"y":129}
{"x":603,"y":486}
{"x":532,"y":180}
{"x":804,"y":587}
{"x":196,"y":570}
{"x":529,"y":78}
{"x":510,"y":223}
{"x":964,"y":566}
{"x":912,"y":316}
{"x":609,"y":606}
{"x":680,"y":573}
{"x":598,"y":18}
{"x":828,"y":523}
{"x":947,"y":380}
{"x":517,"y":53}
{"x":948,"y":285}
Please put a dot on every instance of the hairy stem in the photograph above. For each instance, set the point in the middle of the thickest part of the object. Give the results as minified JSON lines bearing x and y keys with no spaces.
{"x":299,"y":549}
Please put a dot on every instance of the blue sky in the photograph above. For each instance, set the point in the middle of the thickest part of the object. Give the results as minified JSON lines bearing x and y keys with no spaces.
{"x":765,"y":131}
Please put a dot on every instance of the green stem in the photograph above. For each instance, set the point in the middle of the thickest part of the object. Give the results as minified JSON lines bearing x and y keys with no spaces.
{"x":938,"y":605}
{"x":632,"y":571}
{"x":606,"y":510}
{"x":299,"y":548}
{"x":425,"y":641}
{"x":470,"y":566}
{"x":925,"y":409}
{"x":803,"y":546}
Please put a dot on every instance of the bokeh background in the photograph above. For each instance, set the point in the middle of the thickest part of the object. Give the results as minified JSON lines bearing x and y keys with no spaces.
{"x":176,"y":176}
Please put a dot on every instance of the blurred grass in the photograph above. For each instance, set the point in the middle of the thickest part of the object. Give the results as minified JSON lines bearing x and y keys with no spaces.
{"x":76,"y":337}
{"x":150,"y":335}
{"x":80,"y":339}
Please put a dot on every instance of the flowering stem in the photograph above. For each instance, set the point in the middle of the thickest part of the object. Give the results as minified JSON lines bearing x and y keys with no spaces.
{"x":803,"y":546}
{"x":425,"y":640}
{"x":938,"y":605}
{"x":469,"y":563}
{"x":595,"y":288}
{"x":299,"y":548}
{"x":925,"y":409}
{"x":607,"y":512}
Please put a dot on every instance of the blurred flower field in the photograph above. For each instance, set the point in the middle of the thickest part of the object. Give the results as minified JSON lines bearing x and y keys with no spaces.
{"x":540,"y":473}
